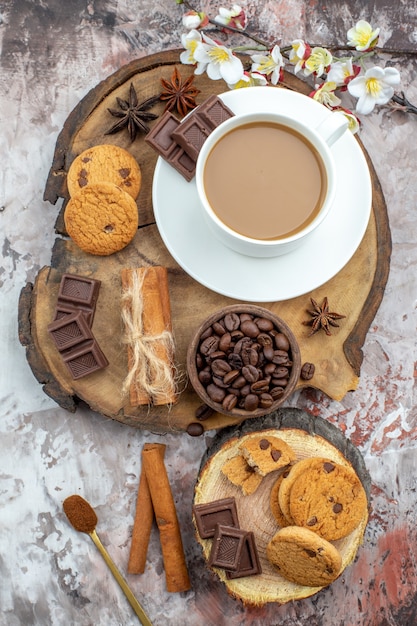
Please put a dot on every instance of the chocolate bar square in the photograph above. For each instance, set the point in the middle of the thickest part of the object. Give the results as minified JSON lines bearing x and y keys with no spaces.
{"x":226,"y":550}
{"x":69,"y":331}
{"x":191,"y":134}
{"x":65,"y":308}
{"x":209,"y":514}
{"x":249,"y":564}
{"x":159,"y":137}
{"x":84,"y":359}
{"x":213,"y":112}
{"x":78,"y":290}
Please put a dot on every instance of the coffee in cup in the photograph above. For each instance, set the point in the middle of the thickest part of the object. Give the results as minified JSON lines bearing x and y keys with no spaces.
{"x":266,"y":181}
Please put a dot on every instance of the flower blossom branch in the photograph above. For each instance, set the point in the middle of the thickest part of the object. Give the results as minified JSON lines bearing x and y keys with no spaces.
{"x":332,"y":76}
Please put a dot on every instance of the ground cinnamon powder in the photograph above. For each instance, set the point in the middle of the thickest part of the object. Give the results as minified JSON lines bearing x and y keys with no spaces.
{"x":80,"y":514}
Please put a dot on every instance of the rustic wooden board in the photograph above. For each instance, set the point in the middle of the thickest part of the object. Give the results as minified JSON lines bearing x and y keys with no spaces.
{"x":308,"y":437}
{"x":356,"y":291}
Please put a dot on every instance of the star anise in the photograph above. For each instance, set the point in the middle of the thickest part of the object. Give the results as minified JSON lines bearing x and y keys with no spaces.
{"x":322,"y":317}
{"x":133,"y":115}
{"x":179,"y":94}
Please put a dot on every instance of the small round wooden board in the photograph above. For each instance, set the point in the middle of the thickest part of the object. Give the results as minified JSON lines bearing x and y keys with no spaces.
{"x":309,"y":437}
{"x":356,"y":291}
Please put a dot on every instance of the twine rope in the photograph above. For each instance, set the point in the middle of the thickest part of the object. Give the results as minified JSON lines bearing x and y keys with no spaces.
{"x":149,"y":372}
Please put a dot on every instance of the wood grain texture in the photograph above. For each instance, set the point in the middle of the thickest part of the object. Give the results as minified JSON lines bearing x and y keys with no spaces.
{"x":356,"y":291}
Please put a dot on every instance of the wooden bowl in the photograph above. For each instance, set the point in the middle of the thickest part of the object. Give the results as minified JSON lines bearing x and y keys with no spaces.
{"x":255,"y":311}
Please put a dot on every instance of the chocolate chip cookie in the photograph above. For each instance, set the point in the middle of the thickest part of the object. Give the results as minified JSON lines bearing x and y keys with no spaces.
{"x":303,"y":557}
{"x":266,"y":453}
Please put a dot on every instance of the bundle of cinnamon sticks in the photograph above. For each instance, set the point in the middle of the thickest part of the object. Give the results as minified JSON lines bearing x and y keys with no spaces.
{"x":155,"y":500}
{"x":146,"y":314}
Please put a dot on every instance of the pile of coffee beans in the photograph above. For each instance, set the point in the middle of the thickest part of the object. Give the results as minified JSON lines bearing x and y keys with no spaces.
{"x":244,"y":362}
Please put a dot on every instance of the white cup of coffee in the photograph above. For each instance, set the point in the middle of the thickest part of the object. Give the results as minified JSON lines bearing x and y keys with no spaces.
{"x":266,"y":181}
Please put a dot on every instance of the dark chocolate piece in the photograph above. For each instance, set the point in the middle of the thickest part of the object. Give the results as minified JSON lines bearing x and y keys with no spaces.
{"x":226,"y":550}
{"x":159,"y":137}
{"x":79,"y":291}
{"x":69,"y":331}
{"x":191,"y":134}
{"x":183,"y":164}
{"x":249,"y":564}
{"x":208,"y":515}
{"x":64,"y":308}
{"x":213,"y":112}
{"x":84,"y":359}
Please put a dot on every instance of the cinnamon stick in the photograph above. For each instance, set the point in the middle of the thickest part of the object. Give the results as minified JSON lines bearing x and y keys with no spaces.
{"x":176,"y":573}
{"x":147,"y":317}
{"x":142,"y":527}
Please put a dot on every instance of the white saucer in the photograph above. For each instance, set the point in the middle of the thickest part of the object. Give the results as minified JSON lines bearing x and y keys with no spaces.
{"x":184,"y":231}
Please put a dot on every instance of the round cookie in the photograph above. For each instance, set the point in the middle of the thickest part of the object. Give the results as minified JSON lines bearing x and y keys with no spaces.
{"x":327,"y":498}
{"x":303,"y":557}
{"x":266,"y":453}
{"x":274,"y":502}
{"x":105,"y":163}
{"x":286,"y":484}
{"x":101,"y":219}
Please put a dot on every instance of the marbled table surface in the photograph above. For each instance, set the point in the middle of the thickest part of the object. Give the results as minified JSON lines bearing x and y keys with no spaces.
{"x":52,"y":53}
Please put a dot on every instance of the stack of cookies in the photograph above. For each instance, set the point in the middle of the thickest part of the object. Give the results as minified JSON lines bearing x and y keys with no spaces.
{"x":315,"y":502}
{"x":101,"y":216}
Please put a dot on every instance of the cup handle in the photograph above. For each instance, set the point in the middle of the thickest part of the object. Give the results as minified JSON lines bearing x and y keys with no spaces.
{"x":332,"y":127}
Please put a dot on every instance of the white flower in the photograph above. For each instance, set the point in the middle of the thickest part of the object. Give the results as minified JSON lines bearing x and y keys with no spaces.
{"x":252,"y":79}
{"x":234,"y":17}
{"x":375,"y":87}
{"x":317,"y":62}
{"x":190,"y":42}
{"x":192,"y":19}
{"x":325,"y":95}
{"x":219,"y":61}
{"x":362,"y":37}
{"x":269,"y":64}
{"x":300,"y":51}
{"x":340,"y":71}
{"x":353,"y":122}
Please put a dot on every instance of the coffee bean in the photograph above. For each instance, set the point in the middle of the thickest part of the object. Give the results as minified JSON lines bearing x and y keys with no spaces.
{"x":229,"y":402}
{"x":204,"y":377}
{"x":217,"y":380}
{"x":307,"y":371}
{"x":264,"y":339}
{"x":215,"y":393}
{"x":276,"y":393}
{"x":235,"y":360}
{"x":231,"y":376}
{"x":218,"y":328}
{"x":232,"y":321}
{"x":239,"y":382}
{"x":225,"y":342}
{"x":264,"y":324}
{"x":195,"y":429}
{"x":269,"y":369}
{"x":219,"y":367}
{"x":268,"y":352}
{"x":250,"y":329}
{"x":210,"y":344}
{"x":260,"y":386}
{"x":244,"y":317}
{"x":279,"y":382}
{"x":251,"y":402}
{"x":281,"y":372}
{"x":250,"y":373}
{"x":282,"y":342}
{"x":265,"y":400}
{"x":203,"y":412}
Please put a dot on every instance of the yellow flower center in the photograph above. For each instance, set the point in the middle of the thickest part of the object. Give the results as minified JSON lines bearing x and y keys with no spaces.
{"x":362,"y":37}
{"x":373,"y":87}
{"x":218,"y":55}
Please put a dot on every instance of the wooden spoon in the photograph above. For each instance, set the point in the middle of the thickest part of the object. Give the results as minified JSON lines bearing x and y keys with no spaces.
{"x":82,"y":517}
